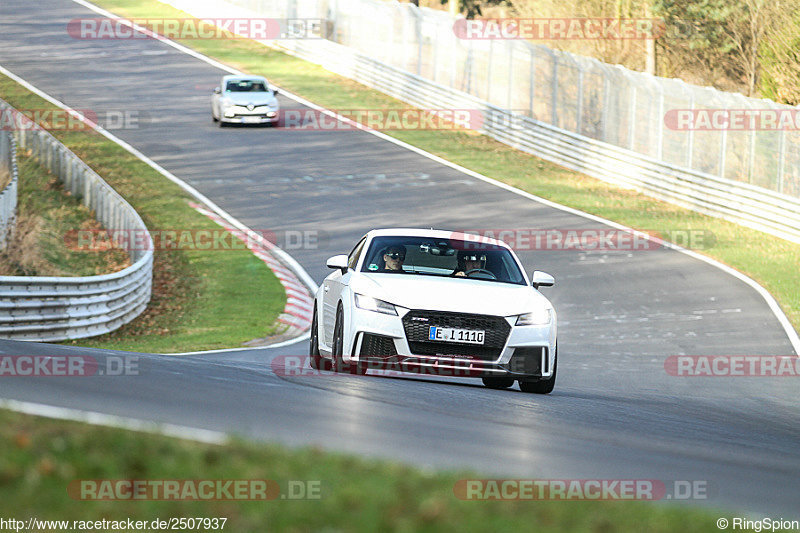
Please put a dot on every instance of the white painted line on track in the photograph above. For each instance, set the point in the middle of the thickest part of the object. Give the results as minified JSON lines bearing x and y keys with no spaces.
{"x":101,"y":419}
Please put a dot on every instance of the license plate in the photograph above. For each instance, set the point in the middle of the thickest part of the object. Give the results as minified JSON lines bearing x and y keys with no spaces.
{"x":466,"y":336}
{"x":252,"y":120}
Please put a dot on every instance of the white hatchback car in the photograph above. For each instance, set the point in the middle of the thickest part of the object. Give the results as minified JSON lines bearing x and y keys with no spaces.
{"x":245,"y":100}
{"x":437,"y":302}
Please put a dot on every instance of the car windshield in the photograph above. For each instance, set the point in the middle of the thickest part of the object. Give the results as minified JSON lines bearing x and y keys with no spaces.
{"x":246,"y":86}
{"x":442,"y":257}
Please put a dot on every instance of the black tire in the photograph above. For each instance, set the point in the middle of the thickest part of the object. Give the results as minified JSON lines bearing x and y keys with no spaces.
{"x":215,"y":119}
{"x":337,"y":362}
{"x":542,"y":386}
{"x":497,"y":382}
{"x":315,"y":359}
{"x":338,"y":342}
{"x":357,"y":369}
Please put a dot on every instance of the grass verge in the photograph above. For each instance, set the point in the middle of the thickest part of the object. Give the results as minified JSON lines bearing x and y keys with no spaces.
{"x":41,"y":457}
{"x":194,"y":306}
{"x":769,"y":260}
{"x":46,"y":214}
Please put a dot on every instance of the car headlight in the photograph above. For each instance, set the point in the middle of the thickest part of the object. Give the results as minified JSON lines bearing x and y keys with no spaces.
{"x":373,"y":304}
{"x":535,"y":318}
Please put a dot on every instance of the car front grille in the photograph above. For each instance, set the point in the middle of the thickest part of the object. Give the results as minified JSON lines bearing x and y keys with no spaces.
{"x":417,"y":324}
{"x":376,"y":346}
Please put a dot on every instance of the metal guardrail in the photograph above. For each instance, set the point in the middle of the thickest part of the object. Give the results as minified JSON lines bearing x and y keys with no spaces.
{"x":675,"y":175}
{"x":745,"y":204}
{"x":8,"y":180}
{"x":60,"y":308}
{"x":579,"y":94}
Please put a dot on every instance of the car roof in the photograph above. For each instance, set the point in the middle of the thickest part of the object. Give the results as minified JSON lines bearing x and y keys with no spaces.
{"x":432,"y":233}
{"x":239,"y":77}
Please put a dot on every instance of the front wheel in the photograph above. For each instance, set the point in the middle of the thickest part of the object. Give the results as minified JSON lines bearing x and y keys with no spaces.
{"x":338,"y":349}
{"x":543,"y":386}
{"x":338,"y":342}
{"x":315,"y":359}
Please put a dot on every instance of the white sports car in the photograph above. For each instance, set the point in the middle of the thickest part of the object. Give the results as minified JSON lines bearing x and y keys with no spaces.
{"x":437,"y":302}
{"x":245,"y":100}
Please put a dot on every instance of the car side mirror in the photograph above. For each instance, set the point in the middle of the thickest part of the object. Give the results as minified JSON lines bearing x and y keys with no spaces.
{"x":338,"y":261}
{"x":217,"y":90}
{"x":274,"y":92}
{"x":542,"y":279}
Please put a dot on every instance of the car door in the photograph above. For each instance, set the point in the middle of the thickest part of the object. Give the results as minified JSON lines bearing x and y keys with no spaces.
{"x":332,"y":289}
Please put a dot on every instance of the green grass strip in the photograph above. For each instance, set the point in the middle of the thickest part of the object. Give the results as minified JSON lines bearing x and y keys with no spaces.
{"x":45,"y":235}
{"x":41,"y":457}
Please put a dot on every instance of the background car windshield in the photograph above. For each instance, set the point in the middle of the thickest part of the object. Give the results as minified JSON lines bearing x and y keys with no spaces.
{"x":444,"y":257}
{"x":246,"y":86}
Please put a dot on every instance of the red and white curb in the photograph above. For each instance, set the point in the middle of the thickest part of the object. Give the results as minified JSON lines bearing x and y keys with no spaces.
{"x":299,"y":301}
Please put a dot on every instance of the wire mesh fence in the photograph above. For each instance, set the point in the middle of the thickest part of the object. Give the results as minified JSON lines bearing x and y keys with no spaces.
{"x":578,"y":94}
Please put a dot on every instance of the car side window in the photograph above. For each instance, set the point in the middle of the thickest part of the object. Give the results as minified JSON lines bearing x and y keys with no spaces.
{"x":352,"y":261}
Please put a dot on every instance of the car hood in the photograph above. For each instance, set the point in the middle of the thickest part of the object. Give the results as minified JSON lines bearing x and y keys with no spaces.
{"x":450,"y":294}
{"x":251,"y":98}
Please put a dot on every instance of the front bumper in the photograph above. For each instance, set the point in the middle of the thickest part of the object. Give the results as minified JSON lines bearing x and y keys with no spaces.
{"x":242,"y":115}
{"x":380,"y":342}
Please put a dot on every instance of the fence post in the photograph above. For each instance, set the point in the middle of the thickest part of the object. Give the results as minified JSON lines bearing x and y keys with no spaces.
{"x":752,"y":155}
{"x":489,"y":71}
{"x":579,"y":105}
{"x":723,"y":141}
{"x":453,"y":60}
{"x":435,"y":57}
{"x":690,"y":148}
{"x":632,"y":117}
{"x":531,"y":91}
{"x":606,"y":105}
{"x":660,"y":138}
{"x":509,"y":96}
{"x":781,"y":158}
{"x":418,"y":20}
{"x":554,"y":95}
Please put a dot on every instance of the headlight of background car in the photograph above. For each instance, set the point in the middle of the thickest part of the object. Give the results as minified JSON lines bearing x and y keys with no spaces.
{"x":536,"y":318}
{"x":227,"y":106}
{"x":373,"y":304}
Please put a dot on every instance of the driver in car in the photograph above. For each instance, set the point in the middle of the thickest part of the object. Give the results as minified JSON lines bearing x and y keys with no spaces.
{"x":468,"y":261}
{"x":393,"y":258}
